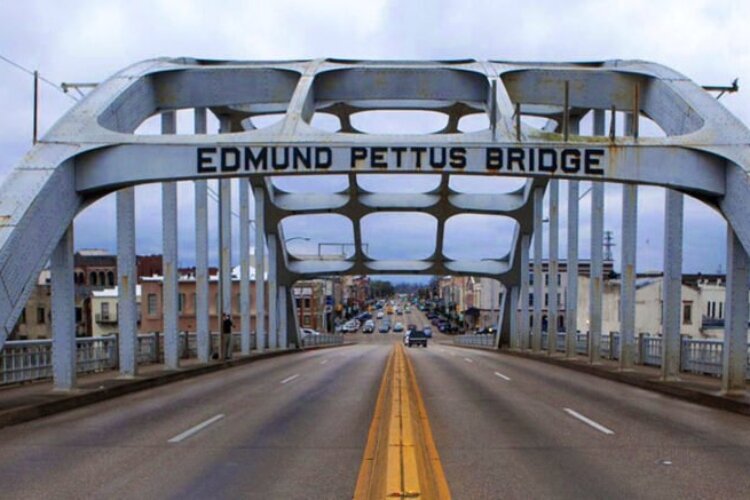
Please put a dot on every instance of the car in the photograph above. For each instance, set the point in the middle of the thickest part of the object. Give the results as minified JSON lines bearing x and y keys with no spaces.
{"x":398,"y":327}
{"x":427,"y":332}
{"x":369,"y":326}
{"x":417,"y":337}
{"x":380,"y":315}
{"x":385,"y":327}
{"x":443,"y":327}
{"x":406,"y":337}
{"x":351,"y":326}
{"x":308,"y":331}
{"x":486,"y":331}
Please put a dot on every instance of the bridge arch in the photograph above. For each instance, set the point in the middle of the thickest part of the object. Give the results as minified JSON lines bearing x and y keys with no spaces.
{"x":92,"y":151}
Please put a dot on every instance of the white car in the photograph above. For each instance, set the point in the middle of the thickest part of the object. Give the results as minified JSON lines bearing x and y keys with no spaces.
{"x":308,"y":331}
{"x":380,"y":315}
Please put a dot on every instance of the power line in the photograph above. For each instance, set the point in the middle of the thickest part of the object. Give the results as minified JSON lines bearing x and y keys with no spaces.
{"x":31,"y":73}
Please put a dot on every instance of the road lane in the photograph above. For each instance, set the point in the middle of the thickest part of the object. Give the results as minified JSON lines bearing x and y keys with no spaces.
{"x":515,"y":439}
{"x":275,"y":441}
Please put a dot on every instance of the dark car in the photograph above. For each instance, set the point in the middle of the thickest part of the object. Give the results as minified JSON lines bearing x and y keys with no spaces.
{"x":486,"y":331}
{"x":417,"y":337}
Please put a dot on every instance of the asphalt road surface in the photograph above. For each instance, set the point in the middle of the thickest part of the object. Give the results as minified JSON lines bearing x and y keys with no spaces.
{"x":296,"y":426}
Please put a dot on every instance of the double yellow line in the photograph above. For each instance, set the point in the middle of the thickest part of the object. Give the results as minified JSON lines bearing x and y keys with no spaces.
{"x":400,"y":459}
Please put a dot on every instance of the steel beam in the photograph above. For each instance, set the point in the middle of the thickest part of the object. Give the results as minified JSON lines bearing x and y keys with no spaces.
{"x":672,"y":288}
{"x":515,"y":340}
{"x":628,"y":264}
{"x":554,"y":269}
{"x":259,"y":195}
{"x":571,"y":294}
{"x":273,"y":313}
{"x":170,"y":307}
{"x":596,"y":284}
{"x":734,"y":369}
{"x":127,"y":315}
{"x":202,"y":323}
{"x":524,"y":325}
{"x":225,"y":266}
{"x":536,"y":340}
{"x":283,"y":323}
{"x":245,"y":319}
{"x":64,"y":353}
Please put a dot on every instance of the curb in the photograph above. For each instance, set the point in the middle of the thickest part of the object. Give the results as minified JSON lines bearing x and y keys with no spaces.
{"x":673,"y":389}
{"x":35,"y":411}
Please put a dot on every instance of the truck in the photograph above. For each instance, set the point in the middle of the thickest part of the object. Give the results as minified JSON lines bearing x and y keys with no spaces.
{"x":417,"y":337}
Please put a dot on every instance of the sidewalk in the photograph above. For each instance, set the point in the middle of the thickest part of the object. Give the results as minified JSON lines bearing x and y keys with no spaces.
{"x":31,"y":400}
{"x":700,"y":389}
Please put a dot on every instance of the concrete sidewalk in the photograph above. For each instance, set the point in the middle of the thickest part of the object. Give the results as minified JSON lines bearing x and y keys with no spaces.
{"x":700,"y":389}
{"x":31,"y":400}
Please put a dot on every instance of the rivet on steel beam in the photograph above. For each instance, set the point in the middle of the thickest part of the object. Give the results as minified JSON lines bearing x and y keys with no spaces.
{"x":566,"y":111}
{"x":636,"y":109}
{"x":518,"y":121}
{"x":612,"y":123}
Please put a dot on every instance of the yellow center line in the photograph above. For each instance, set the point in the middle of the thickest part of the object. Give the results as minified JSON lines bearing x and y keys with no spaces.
{"x":400,"y":459}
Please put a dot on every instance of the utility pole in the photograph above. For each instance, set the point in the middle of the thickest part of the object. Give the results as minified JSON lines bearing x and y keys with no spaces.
{"x":609,"y":244}
{"x":36,"y":107}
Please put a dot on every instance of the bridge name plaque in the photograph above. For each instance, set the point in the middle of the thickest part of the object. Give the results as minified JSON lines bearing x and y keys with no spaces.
{"x":519,"y":160}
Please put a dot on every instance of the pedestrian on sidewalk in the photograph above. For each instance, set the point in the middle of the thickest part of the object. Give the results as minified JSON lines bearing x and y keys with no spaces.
{"x":226,"y":335}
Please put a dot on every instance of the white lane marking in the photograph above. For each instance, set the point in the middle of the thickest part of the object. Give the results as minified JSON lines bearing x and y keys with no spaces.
{"x":588,"y":421}
{"x":289,"y":379}
{"x":324,"y":362}
{"x":468,"y":360}
{"x":504,"y":377}
{"x":197,"y":428}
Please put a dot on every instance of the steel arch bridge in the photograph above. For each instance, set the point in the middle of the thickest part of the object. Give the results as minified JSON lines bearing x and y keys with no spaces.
{"x":93,"y":151}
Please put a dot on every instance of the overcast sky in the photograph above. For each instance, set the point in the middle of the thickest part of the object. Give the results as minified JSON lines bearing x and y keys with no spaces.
{"x":79,"y":41}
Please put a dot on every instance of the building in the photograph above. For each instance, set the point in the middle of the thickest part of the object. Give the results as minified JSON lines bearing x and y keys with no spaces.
{"x":152,"y":317}
{"x":104,"y":309}
{"x":310,"y":299}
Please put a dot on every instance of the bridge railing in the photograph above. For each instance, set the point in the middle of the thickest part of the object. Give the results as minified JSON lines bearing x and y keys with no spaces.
{"x":28,"y":360}
{"x":322,"y":339}
{"x":700,"y":356}
{"x":475,"y":340}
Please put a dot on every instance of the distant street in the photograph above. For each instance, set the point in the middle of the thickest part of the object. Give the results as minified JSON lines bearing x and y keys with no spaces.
{"x":296,"y":426}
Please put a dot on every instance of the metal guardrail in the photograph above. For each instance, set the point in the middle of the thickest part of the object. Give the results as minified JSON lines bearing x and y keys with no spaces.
{"x":700,"y":356}
{"x":475,"y":340}
{"x":322,"y":339}
{"x":28,"y":360}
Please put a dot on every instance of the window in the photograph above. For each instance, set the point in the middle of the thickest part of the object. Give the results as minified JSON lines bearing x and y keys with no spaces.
{"x":307,"y":303}
{"x":559,"y":279}
{"x":546,"y":300}
{"x":531,"y":278}
{"x":79,"y":315}
{"x":721,"y":310}
{"x":105,"y":310}
{"x":298,"y":302}
{"x":546,"y":279}
{"x":40,"y":317}
{"x":151,"y":304}
{"x":531,"y":300}
{"x":306,"y":320}
{"x":111,"y":278}
{"x":180,"y":302}
{"x":23,"y":316}
{"x":687,"y":313}
{"x":92,"y":279}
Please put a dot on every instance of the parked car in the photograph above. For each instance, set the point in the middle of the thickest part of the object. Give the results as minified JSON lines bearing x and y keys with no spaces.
{"x":351,"y":326}
{"x":385,"y":327}
{"x":486,"y":331}
{"x":369,"y":326}
{"x":417,"y":337}
{"x":380,"y":315}
{"x":427,"y":332}
{"x":398,"y":327}
{"x":308,"y":331}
